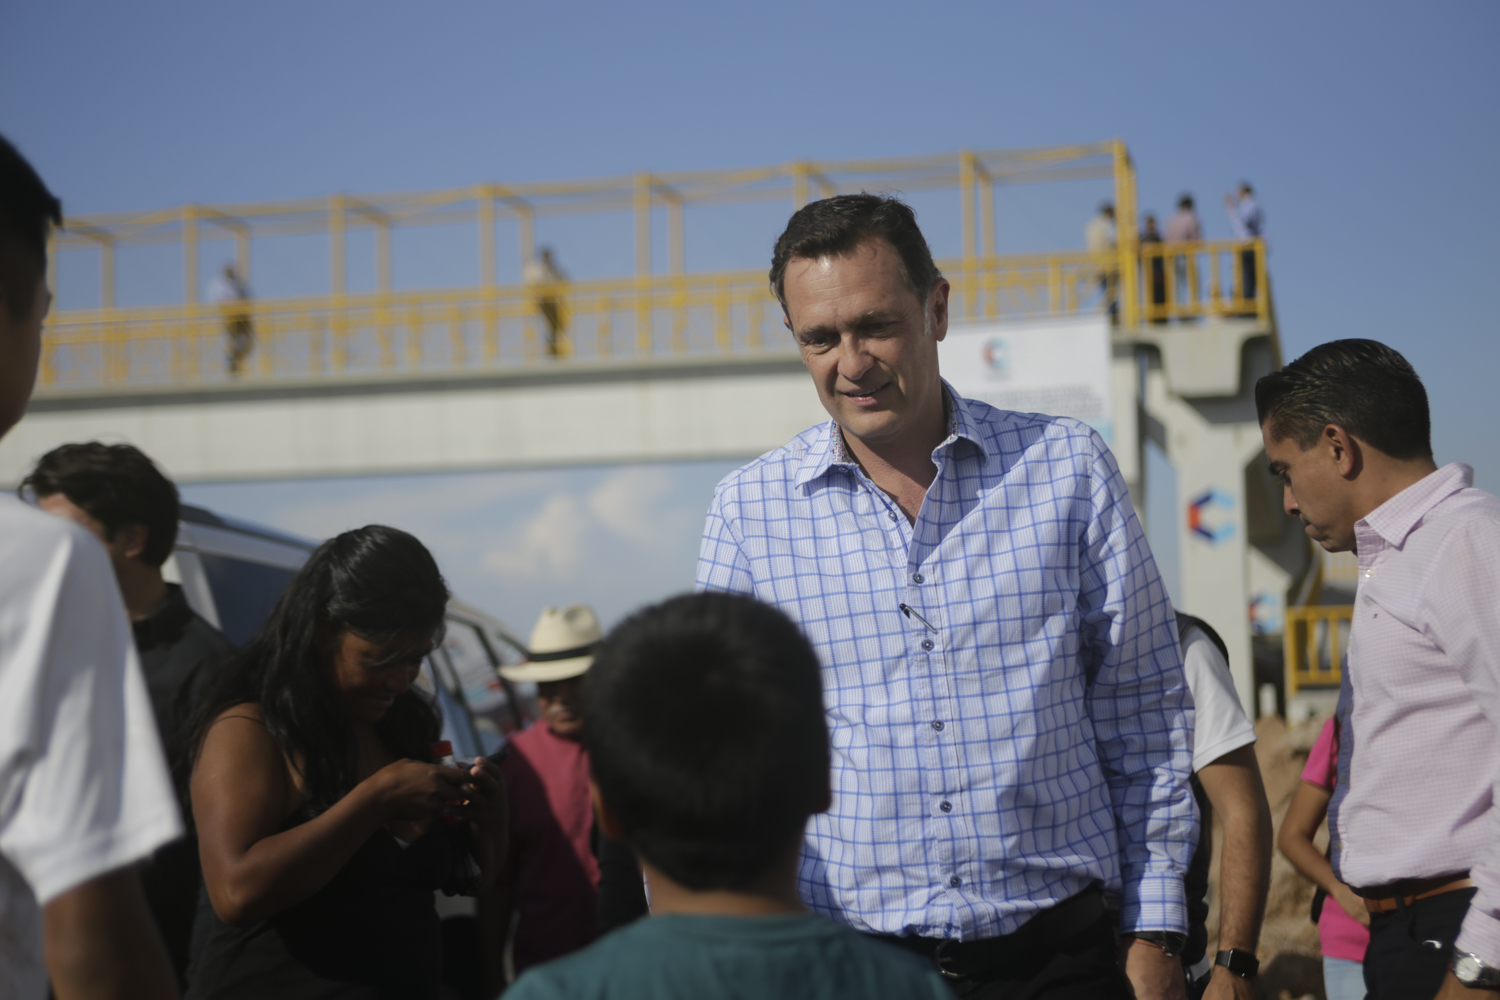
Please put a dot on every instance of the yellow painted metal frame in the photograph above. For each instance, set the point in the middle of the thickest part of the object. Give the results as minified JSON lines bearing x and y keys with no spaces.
{"x":399,"y":333}
{"x":1312,"y":645}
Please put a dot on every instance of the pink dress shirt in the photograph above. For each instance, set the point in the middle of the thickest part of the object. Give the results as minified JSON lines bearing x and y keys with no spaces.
{"x":1422,"y":794}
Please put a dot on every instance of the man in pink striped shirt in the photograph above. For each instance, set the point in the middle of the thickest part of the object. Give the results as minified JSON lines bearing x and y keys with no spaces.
{"x":1415,"y":817}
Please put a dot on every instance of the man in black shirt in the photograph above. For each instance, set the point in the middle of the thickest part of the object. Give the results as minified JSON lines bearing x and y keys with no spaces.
{"x":119,"y":495}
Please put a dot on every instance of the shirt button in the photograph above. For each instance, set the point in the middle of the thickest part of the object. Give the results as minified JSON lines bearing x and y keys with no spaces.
{"x":946,"y":807}
{"x":891,"y":514}
{"x":955,"y":881}
{"x":937,"y":724}
{"x":1369,"y":573}
{"x":927,"y":644}
{"x":916,"y":578}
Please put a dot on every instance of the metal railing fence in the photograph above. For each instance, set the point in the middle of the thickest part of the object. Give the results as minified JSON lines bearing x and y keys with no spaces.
{"x":1313,"y":644}
{"x":456,"y":331}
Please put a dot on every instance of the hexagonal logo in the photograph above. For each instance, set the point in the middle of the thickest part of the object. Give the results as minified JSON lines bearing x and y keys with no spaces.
{"x":1210,"y":516}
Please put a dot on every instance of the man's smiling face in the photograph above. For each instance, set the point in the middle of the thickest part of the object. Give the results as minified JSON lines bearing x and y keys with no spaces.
{"x":864,"y":337}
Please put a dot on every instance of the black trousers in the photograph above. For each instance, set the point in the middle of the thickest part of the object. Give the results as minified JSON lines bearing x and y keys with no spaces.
{"x":1038,"y":961}
{"x":1410,"y":946}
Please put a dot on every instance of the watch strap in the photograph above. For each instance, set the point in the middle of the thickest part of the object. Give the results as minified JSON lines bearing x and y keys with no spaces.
{"x":1242,"y":963}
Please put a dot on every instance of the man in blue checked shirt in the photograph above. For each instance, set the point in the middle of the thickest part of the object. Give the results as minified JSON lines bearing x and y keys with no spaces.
{"x":1011,"y":729}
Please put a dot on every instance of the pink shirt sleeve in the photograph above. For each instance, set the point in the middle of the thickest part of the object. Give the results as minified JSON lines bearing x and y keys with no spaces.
{"x":1323,"y":760}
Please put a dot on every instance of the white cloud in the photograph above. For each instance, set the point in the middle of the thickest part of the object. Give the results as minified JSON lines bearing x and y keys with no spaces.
{"x":629,"y":503}
{"x":549,"y":544}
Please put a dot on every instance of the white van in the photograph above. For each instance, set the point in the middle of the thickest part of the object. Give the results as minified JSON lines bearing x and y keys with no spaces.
{"x":232,"y":573}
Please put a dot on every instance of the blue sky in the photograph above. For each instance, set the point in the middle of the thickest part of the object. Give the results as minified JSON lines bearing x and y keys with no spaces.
{"x":1368,"y":130}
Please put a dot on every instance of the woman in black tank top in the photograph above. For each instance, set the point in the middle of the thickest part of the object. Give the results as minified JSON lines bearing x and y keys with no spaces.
{"x":322,"y":828}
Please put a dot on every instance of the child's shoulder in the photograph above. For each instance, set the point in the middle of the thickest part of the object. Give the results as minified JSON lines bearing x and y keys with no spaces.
{"x":777,"y":958}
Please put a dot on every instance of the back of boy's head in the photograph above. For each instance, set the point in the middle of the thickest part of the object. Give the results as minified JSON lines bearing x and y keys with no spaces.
{"x":707,"y":737}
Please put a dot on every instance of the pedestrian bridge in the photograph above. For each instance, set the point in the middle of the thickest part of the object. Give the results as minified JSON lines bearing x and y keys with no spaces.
{"x":652,"y":366}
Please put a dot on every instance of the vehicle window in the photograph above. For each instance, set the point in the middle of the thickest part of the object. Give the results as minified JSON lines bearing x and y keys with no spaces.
{"x":244,"y":593}
{"x":472,"y":665}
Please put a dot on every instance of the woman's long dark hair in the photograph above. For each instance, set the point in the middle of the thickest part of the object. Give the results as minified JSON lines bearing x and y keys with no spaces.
{"x":380,"y":584}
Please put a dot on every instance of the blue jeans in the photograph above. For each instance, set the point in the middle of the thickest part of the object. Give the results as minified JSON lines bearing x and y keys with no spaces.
{"x":1343,"y":979}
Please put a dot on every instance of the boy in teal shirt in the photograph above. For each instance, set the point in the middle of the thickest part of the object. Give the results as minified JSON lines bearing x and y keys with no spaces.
{"x":709,"y":751}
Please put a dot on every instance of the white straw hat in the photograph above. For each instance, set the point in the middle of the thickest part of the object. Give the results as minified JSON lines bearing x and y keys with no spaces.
{"x":563,"y":644}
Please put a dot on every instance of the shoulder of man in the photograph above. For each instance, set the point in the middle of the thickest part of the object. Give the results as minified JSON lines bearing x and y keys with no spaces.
{"x":1018,"y":431}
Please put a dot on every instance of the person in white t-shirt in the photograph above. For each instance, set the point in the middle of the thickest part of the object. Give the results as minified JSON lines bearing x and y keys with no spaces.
{"x":1227,"y":782}
{"x":84,"y":790}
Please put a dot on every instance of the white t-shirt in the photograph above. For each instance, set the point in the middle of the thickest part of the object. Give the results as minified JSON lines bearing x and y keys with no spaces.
{"x":1222,"y":725}
{"x":83,"y":782}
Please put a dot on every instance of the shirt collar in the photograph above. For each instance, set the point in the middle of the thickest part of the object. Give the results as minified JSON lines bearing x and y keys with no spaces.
{"x":828,"y":450}
{"x":1398,"y":516}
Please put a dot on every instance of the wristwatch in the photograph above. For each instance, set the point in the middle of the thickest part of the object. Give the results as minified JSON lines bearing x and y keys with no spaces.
{"x":1242,"y":963}
{"x":1170,"y":943}
{"x":1472,"y":971}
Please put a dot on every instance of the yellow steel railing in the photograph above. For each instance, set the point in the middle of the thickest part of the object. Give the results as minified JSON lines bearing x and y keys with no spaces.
{"x":1313,"y":644}
{"x":396,"y":334}
{"x":1172,"y":280}
{"x":390,"y":333}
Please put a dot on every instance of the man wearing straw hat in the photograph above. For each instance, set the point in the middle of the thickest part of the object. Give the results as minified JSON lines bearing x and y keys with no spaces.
{"x":551,"y":878}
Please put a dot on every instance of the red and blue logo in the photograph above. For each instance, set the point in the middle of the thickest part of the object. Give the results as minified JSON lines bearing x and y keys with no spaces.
{"x":1210,"y":516}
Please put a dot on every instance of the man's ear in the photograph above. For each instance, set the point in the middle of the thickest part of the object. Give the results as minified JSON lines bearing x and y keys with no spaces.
{"x":131,"y":539}
{"x":939,"y":307}
{"x":608,"y":825}
{"x":1344,"y":450}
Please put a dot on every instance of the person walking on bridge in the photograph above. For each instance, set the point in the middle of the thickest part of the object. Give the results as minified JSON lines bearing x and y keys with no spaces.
{"x":542,"y":275}
{"x":230,"y":293}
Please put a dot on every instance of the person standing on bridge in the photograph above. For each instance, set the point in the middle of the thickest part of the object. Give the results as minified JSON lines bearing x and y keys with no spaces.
{"x":1185,"y":227}
{"x":230,"y":293}
{"x":542,"y":275}
{"x":1249,"y":223}
{"x":1101,"y":237}
{"x":1010,"y":721}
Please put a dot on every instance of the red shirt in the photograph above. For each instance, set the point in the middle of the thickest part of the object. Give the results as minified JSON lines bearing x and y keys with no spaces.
{"x":551,"y":865}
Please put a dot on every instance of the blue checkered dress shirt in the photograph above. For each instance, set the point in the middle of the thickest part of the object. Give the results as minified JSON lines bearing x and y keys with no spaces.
{"x":1023,"y":732}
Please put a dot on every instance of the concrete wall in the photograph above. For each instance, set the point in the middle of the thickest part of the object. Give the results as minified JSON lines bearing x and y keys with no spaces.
{"x":572,"y":417}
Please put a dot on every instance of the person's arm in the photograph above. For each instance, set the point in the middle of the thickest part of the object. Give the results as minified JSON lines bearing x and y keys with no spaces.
{"x":1466,"y":624}
{"x":1142,"y":713}
{"x":1234,"y":788}
{"x":1295,"y":841}
{"x":101,"y":943}
{"x":721,"y":560}
{"x":242,"y":794}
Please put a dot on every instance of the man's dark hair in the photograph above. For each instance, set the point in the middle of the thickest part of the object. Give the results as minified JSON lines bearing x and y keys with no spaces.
{"x":706,"y":736}
{"x":116,"y":485}
{"x":834,"y":227}
{"x":27,"y":209}
{"x":1361,"y":385}
{"x":1186,"y":201}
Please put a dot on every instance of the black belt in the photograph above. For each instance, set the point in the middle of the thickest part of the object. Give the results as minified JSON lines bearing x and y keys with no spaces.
{"x":980,"y":959}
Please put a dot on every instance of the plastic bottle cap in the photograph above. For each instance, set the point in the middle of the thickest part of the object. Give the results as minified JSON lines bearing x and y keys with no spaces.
{"x":442,"y":748}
